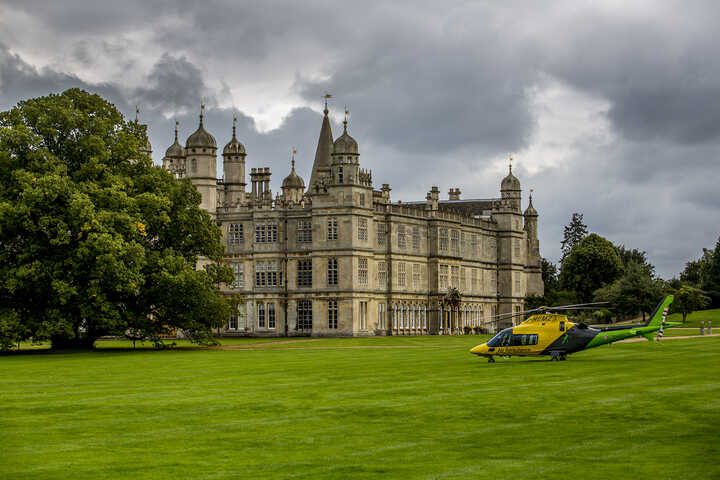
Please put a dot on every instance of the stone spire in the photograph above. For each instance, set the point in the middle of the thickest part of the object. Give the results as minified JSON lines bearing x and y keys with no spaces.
{"x":321,"y":166}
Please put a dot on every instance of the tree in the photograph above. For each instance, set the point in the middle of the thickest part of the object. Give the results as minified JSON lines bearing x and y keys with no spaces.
{"x":573,"y":233}
{"x":634,"y":291}
{"x":549,"y":275}
{"x":637,"y":257}
{"x":591,"y":264}
{"x":710,"y":276}
{"x":689,"y":299}
{"x":94,"y":239}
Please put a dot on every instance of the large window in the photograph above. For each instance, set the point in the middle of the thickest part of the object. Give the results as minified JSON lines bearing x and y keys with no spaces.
{"x":517,"y":283}
{"x":516,"y":242}
{"x":362,"y":229}
{"x":267,"y":274}
{"x":363,"y":315}
{"x":381,"y":316}
{"x":304,"y":315}
{"x":474,"y":281}
{"x":271,"y":315}
{"x":474,"y":244}
{"x":266,"y":232}
{"x":454,"y":276}
{"x":261,"y":315}
{"x":416,"y":237}
{"x":235,"y":234}
{"x":304,"y":273}
{"x":382,"y":275}
{"x":381,"y":234}
{"x":363,"y":271}
{"x":401,"y":275}
{"x":443,"y":277}
{"x":304,"y":231}
{"x":416,"y":276}
{"x":401,"y":239}
{"x":239,"y":279}
{"x":455,"y":242}
{"x":332,"y":314}
{"x":332,"y":228}
{"x":443,"y":240}
{"x":463,"y":279}
{"x":340,"y":175}
{"x":238,"y":319}
{"x":332,"y":271}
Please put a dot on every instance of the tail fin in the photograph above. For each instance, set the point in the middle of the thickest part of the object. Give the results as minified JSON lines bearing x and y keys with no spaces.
{"x":657,"y":319}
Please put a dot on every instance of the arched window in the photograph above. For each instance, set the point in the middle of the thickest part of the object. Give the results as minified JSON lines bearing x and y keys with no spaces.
{"x":193,"y":165}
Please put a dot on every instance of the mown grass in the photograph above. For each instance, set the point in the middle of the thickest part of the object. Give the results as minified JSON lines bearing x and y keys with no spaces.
{"x":693,"y":320}
{"x":331,"y":408}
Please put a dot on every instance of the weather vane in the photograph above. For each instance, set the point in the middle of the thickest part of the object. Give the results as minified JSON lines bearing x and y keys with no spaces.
{"x":137,"y":112}
{"x":326,"y":96}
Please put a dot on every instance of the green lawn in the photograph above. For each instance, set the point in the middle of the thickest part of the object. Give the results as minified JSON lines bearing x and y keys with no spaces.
{"x":693,"y":320}
{"x":330,"y":408}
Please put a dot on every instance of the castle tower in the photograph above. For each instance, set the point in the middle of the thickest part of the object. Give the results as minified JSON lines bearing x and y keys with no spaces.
{"x":345,"y":161}
{"x":533,"y":269}
{"x":293,"y":186}
{"x":234,"y":170}
{"x":174,"y":159}
{"x":201,"y":164}
{"x":321,"y":166}
{"x":512,"y":246}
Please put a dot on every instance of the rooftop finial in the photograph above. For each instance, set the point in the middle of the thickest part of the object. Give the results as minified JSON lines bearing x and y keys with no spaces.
{"x":202,"y":113}
{"x":531,"y":192}
{"x":234,"y":123}
{"x":137,"y":113}
{"x":511,"y":160}
{"x":347,"y":112}
{"x":176,"y":130}
{"x":292,"y":161}
{"x":326,"y":96}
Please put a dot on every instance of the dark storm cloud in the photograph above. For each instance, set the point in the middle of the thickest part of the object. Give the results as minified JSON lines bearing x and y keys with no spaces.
{"x":174,"y":84}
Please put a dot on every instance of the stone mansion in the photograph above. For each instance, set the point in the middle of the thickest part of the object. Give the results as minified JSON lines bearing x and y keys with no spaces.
{"x":337,"y":257}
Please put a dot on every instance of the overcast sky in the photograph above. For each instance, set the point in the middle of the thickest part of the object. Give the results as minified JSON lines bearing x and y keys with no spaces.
{"x":609,"y":108}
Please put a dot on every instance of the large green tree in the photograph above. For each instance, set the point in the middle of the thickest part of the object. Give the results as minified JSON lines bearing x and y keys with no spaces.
{"x":94,"y":239}
{"x":689,"y":299}
{"x":591,"y":264}
{"x":635,"y":291}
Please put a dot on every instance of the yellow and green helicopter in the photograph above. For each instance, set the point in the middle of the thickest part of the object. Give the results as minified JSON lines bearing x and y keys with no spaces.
{"x":550,"y":333}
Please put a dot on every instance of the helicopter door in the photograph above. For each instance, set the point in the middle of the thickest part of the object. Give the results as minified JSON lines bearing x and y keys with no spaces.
{"x":562,"y":326}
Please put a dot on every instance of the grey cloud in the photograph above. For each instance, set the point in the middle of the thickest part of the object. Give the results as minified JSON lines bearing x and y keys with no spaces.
{"x":437,"y":89}
{"x":174,"y":84}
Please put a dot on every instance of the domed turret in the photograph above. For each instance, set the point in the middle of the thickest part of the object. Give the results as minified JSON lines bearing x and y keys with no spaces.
{"x":293,"y":180}
{"x":201,"y":138}
{"x":174,"y":160}
{"x":234,"y":147}
{"x":234,"y":170}
{"x":530,"y":210}
{"x":201,"y":165}
{"x":175,"y":150}
{"x":345,"y":144}
{"x":510,"y":182}
{"x":293,"y":186}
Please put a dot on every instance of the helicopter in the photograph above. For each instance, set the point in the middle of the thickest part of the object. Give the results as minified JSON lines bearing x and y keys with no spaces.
{"x":549,"y":333}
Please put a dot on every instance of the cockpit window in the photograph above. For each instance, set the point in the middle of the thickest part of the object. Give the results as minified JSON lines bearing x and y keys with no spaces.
{"x":507,"y":339}
{"x":502,"y":339}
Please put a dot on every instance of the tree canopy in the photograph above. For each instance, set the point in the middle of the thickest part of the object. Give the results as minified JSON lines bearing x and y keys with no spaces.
{"x":94,"y":239}
{"x":591,"y":264}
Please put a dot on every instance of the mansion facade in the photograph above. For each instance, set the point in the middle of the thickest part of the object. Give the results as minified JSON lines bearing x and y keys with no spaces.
{"x":337,"y":257}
